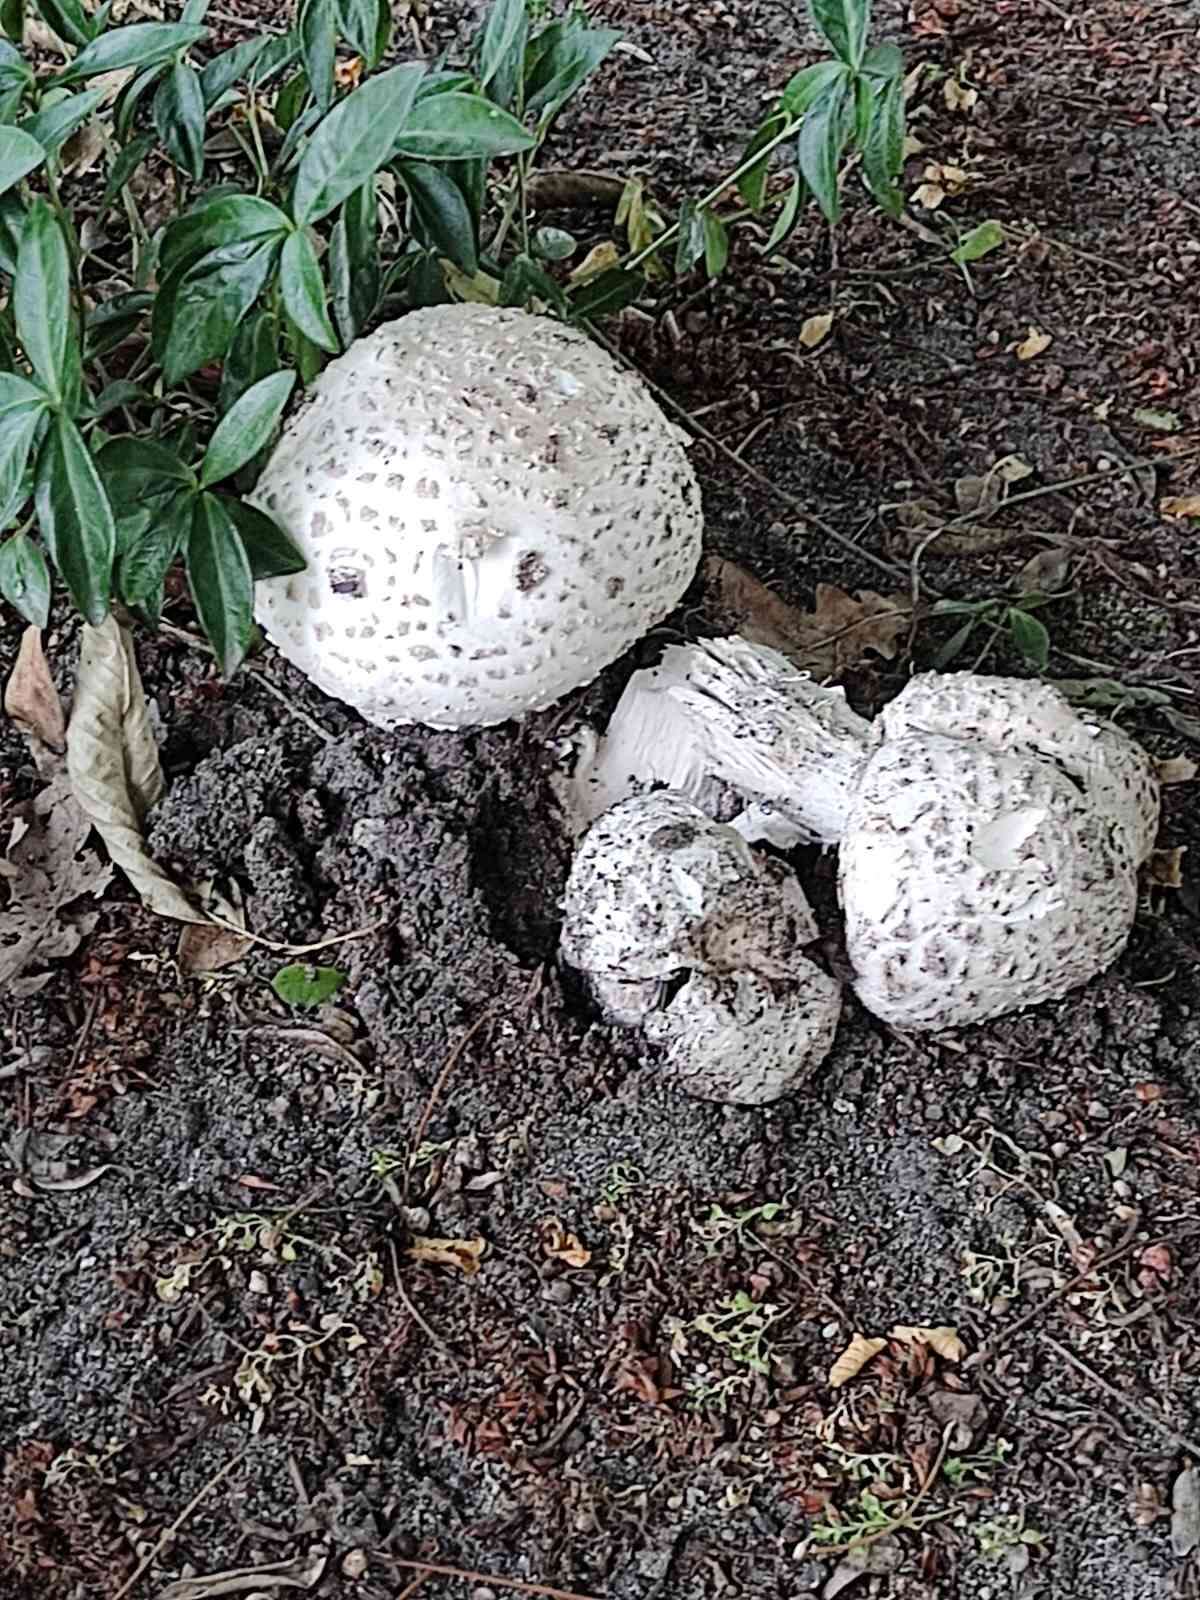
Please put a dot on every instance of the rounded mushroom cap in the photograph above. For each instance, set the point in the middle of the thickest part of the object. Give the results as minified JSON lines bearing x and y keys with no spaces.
{"x":492,"y":510}
{"x":976,"y":882}
{"x":657,"y":886}
{"x":744,"y":1039}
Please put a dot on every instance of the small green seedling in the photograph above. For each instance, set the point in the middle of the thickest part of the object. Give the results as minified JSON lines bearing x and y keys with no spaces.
{"x":301,"y":985}
{"x":1027,"y":633}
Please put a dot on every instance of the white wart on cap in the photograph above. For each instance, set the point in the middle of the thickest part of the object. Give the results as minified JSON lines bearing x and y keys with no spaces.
{"x":492,"y":510}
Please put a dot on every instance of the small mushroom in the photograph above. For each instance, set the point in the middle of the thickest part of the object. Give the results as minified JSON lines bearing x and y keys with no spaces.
{"x":991,"y":851}
{"x":739,"y":729}
{"x":658,"y":890}
{"x":492,"y":510}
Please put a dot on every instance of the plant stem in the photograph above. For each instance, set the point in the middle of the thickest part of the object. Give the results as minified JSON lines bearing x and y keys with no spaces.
{"x":713,"y":195}
{"x":74,"y":249}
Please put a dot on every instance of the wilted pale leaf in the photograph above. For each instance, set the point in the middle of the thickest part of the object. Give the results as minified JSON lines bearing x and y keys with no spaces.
{"x":929,"y":195}
{"x":208,"y":947}
{"x":1166,"y":867}
{"x":958,"y":97}
{"x":981,"y":241}
{"x":562,"y":1246}
{"x":815,"y":329}
{"x":1181,"y":505}
{"x":1160,"y":421}
{"x":461,"y":1254}
{"x":853,"y":1359}
{"x":30,"y":698}
{"x":1185,"y":1512}
{"x":942,"y":1341}
{"x":1033,"y":345}
{"x":113,"y":762}
{"x":1179,"y":769}
{"x":1013,"y":469}
{"x":1044,"y":573}
{"x":600,"y":259}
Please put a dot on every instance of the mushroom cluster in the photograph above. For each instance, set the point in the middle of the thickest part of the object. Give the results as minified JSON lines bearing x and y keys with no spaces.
{"x":492,"y":510}
{"x":989,"y":836}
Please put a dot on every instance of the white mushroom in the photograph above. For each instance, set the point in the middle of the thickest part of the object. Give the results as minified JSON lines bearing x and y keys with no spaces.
{"x":735,"y":726}
{"x":991,"y":851}
{"x":658,"y":890}
{"x":492,"y":510}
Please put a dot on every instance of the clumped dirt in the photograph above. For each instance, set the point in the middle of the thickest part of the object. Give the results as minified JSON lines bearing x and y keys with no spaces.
{"x":225,"y":1340}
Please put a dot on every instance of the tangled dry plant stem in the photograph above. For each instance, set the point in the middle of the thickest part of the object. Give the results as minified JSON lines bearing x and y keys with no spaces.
{"x":1119,"y":1397}
{"x":465,"y":1573}
{"x":169,"y":1532}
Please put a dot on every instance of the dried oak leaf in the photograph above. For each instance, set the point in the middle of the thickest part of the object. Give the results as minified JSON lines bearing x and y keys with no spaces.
{"x":942,"y":1341}
{"x":826,"y":641}
{"x":853,"y":1359}
{"x":562,"y":1246}
{"x":461,"y":1254}
{"x":45,"y":871}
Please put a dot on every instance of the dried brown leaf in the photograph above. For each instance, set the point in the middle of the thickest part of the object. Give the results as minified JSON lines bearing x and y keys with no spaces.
{"x":943,"y":1341}
{"x":1166,"y":867}
{"x":853,"y":1359}
{"x":959,"y":97}
{"x":1181,"y":505}
{"x":461,"y":1254}
{"x":1033,"y":345}
{"x":208,"y":947}
{"x":114,"y":766}
{"x":815,"y":329}
{"x":1044,"y":573}
{"x":600,"y":259}
{"x":301,"y":1572}
{"x":30,"y":698}
{"x":826,"y":641}
{"x":1179,"y":769}
{"x":562,"y":1246}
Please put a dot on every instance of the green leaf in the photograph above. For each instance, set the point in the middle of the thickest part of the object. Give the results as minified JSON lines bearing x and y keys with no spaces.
{"x":716,"y":244}
{"x":367,"y":24}
{"x":269,"y":550}
{"x":220,"y":581}
{"x":819,"y":147}
{"x":425,"y":280}
{"x":353,"y":142}
{"x":563,"y":65}
{"x":883,"y":147}
{"x":68,"y":20}
{"x":76,"y":518}
{"x":845,"y":23}
{"x":121,"y":392}
{"x":309,"y":358}
{"x":12,"y":19}
{"x":205,"y":304}
{"x":611,"y":291}
{"x":1159,"y":421}
{"x":41,"y":298}
{"x":524,"y":279}
{"x":19,"y":155}
{"x":954,"y":645}
{"x":179,"y":118}
{"x":807,"y":86}
{"x":883,"y":61}
{"x":148,"y":542}
{"x":25,"y":579}
{"x":554,"y":244}
{"x":460,"y":127}
{"x":253,"y":354}
{"x":247,"y":427}
{"x":129,"y":101}
{"x":22,"y":407}
{"x":441,"y":212}
{"x":500,"y":55}
{"x":12,"y":226}
{"x":229,"y":220}
{"x":354,"y":272}
{"x":114,"y":321}
{"x":789,"y":213}
{"x":1030,"y":637}
{"x":125,"y":164}
{"x":318,"y":25}
{"x":689,"y":243}
{"x":55,"y":125}
{"x":138,"y":45}
{"x":752,"y":185}
{"x":136,"y":470}
{"x":303,"y":289}
{"x":220,"y":74}
{"x":300,"y":985}
{"x":980,"y":242}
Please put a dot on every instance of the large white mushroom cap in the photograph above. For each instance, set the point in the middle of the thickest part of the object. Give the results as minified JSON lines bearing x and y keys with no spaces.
{"x":492,"y":510}
{"x":991,"y":851}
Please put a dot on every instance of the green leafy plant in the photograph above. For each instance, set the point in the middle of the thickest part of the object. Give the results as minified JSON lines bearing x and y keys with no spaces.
{"x":1026,"y":632}
{"x":146,"y":362}
{"x":300,"y":985}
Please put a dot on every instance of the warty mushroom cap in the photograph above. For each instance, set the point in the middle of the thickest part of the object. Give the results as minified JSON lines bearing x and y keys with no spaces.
{"x":726,"y":720}
{"x":657,"y":886}
{"x":744,"y":1039}
{"x":492,"y":510}
{"x":991,"y":851}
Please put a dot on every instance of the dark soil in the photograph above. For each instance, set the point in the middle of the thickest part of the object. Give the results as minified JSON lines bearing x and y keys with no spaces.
{"x":219,"y":1352}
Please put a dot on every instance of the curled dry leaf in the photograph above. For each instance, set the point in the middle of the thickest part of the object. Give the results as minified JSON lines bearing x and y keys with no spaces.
{"x":943,"y":1341}
{"x":825,"y":641}
{"x":1179,"y":769}
{"x":1181,"y":505}
{"x":113,"y":762}
{"x":1166,"y":867}
{"x":208,"y":947}
{"x":301,"y":1572}
{"x":602,"y":259}
{"x":461,"y":1254}
{"x":562,"y":1246}
{"x":853,"y":1359}
{"x":1033,"y":345}
{"x":959,"y":97}
{"x":30,"y":698}
{"x":815,"y":329}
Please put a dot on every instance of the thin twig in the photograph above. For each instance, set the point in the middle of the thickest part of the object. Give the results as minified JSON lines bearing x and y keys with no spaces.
{"x":407,"y":1302}
{"x":908,"y":1519}
{"x":448,"y":1066}
{"x":260,"y":677}
{"x":468,"y":1576}
{"x":166,"y":1536}
{"x":1179,"y":1440}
